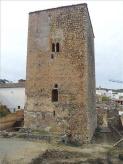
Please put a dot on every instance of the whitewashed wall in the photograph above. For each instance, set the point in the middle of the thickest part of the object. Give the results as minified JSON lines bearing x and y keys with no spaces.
{"x":12,"y":97}
{"x":112,"y":95}
{"x":101,"y":92}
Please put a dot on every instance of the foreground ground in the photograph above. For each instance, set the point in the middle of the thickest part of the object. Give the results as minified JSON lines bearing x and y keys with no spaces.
{"x":21,"y":151}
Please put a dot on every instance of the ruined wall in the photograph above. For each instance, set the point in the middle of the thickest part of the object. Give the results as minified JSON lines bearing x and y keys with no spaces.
{"x":72,"y":69}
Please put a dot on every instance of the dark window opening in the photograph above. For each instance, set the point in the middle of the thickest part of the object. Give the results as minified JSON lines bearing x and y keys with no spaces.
{"x":57,"y":47}
{"x":56,"y":85}
{"x":53,"y":47}
{"x":52,"y":56}
{"x":54,"y":95}
{"x":18,"y":107}
{"x":54,"y":113}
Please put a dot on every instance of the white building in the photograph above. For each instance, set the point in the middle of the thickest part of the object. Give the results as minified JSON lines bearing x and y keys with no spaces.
{"x":109,"y":93}
{"x":13,"y":95}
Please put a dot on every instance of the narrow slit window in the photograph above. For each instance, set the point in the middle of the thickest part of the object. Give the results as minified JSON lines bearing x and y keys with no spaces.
{"x":54,"y":95}
{"x":57,"y":47}
{"x":53,"y":47}
{"x":52,"y":56}
{"x":54,"y":113}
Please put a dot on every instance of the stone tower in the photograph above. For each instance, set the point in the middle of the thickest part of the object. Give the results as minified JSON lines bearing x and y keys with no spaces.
{"x":60,"y":85}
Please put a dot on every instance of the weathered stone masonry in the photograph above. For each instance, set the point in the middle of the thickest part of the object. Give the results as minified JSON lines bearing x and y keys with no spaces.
{"x":60,"y":84}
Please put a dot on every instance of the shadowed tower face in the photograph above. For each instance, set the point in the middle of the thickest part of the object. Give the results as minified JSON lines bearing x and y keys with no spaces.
{"x":60,"y":84}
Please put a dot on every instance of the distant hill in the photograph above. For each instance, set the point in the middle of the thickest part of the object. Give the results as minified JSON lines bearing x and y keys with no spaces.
{"x":107,"y":89}
{"x":119,"y":90}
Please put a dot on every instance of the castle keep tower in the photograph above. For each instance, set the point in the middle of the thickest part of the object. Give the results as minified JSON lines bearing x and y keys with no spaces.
{"x":60,"y":84}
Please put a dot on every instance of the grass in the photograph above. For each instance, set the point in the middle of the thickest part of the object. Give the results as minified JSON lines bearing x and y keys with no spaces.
{"x":40,"y":132}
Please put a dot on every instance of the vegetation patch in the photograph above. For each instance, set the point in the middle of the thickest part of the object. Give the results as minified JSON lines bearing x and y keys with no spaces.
{"x":4,"y":111}
{"x":40,"y":132}
{"x":57,"y":156}
{"x":105,"y":98}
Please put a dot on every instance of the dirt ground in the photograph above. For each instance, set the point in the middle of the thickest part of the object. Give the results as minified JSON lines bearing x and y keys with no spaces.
{"x":21,"y":151}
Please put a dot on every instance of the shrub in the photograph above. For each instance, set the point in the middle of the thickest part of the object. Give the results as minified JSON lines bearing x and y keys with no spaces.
{"x":3,"y":110}
{"x":105,"y":98}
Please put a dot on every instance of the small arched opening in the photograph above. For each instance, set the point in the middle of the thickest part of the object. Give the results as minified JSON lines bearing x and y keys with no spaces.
{"x":56,"y":86}
{"x":18,"y":107}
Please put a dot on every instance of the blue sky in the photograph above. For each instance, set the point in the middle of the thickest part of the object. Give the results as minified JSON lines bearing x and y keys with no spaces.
{"x":107,"y":21}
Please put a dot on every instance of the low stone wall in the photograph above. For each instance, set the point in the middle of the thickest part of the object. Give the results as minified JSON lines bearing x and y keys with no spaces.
{"x":107,"y":116}
{"x":101,"y":117}
{"x":38,"y":137}
{"x":114,"y":119}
